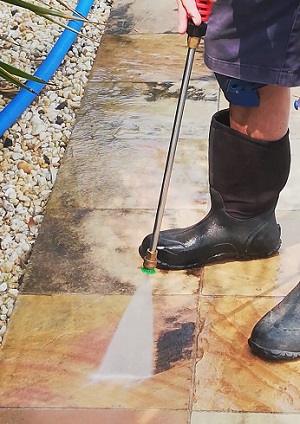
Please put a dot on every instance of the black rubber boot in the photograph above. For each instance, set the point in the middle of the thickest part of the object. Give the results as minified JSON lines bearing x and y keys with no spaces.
{"x":246,"y":177}
{"x":277,"y":335}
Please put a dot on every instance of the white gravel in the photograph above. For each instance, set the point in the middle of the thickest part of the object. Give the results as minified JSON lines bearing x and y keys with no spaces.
{"x":31,"y":150}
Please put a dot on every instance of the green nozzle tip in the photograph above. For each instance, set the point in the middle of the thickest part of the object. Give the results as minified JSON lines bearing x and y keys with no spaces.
{"x":148,"y":271}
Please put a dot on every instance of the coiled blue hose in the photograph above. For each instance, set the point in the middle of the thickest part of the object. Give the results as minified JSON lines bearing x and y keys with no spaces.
{"x":24,"y":98}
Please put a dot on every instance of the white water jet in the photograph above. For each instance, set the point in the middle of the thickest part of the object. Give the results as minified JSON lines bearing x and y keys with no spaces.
{"x":129,"y":356}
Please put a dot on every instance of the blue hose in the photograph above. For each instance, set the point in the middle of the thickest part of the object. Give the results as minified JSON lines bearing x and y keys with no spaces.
{"x":24,"y":98}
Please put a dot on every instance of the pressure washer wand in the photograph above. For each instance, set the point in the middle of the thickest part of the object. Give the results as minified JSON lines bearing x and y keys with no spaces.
{"x":195,"y":33}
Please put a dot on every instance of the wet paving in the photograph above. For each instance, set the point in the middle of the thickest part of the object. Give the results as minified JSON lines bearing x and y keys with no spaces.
{"x":85,"y":270}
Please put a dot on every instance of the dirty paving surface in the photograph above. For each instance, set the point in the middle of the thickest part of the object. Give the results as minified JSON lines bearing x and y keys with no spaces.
{"x":85,"y":269}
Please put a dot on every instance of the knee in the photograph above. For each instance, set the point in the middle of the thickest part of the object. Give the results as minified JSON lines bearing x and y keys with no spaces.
{"x":269,"y":121}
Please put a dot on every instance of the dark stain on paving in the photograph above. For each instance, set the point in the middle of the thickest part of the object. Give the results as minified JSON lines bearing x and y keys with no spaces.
{"x":162,"y":90}
{"x":121,"y":250}
{"x":195,"y":272}
{"x":121,"y":21}
{"x":57,"y":263}
{"x":60,"y":260}
{"x":174,"y":345}
{"x":170,"y":320}
{"x":116,"y":286}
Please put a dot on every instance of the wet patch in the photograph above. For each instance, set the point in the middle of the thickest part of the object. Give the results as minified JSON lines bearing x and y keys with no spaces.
{"x":164,"y":90}
{"x":121,"y":250}
{"x":120,"y":20}
{"x":116,"y":286}
{"x":173,"y":346}
{"x":170,"y":320}
{"x":195,"y":272}
{"x":57,"y":263}
{"x":65,"y":259}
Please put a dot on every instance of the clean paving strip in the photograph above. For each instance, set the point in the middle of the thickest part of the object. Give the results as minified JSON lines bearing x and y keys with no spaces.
{"x":242,"y":418}
{"x":32,"y":149}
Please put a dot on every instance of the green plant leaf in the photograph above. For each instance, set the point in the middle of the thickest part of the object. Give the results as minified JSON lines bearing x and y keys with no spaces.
{"x":8,"y":40}
{"x":10,"y":78}
{"x":95,"y":24}
{"x":66,"y":6}
{"x":69,"y":28}
{"x":42,"y":11}
{"x":18,"y":72}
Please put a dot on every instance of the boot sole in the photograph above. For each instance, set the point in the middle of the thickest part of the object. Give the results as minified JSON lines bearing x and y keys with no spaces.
{"x":216,"y":258}
{"x":273,"y":354}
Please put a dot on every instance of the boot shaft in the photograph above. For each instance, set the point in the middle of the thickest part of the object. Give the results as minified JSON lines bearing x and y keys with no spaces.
{"x":248,"y":173}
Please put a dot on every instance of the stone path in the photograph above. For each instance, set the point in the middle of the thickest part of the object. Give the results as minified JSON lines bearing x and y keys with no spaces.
{"x":85,"y":268}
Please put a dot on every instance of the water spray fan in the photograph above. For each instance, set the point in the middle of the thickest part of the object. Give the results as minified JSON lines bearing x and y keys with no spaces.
{"x":195,"y":33}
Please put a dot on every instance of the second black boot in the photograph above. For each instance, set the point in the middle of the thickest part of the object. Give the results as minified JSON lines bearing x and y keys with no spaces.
{"x":276,"y":336}
{"x":246,"y":176}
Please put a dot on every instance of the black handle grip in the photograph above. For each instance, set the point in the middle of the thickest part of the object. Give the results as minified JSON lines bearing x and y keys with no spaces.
{"x":196,"y":30}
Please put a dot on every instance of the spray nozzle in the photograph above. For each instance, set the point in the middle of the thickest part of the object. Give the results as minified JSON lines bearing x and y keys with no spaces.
{"x":150,"y":262}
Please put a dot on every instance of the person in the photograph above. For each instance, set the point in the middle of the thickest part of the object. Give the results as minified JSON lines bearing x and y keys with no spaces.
{"x":253,"y":47}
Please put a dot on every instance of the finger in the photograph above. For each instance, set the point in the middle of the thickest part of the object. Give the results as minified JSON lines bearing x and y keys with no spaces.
{"x":182,"y":18}
{"x":187,"y":9}
{"x":192,"y":11}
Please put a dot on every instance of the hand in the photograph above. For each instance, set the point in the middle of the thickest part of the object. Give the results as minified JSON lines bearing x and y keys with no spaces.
{"x":187,"y":9}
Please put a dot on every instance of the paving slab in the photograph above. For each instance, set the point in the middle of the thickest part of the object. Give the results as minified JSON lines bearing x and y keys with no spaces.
{"x":96,"y":251}
{"x":135,"y":16}
{"x":56,"y":344}
{"x":228,"y":376}
{"x":91,"y":416}
{"x":242,"y":418}
{"x":146,"y":58}
{"x":119,"y":147}
{"x":124,"y":129}
{"x":274,"y":276}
